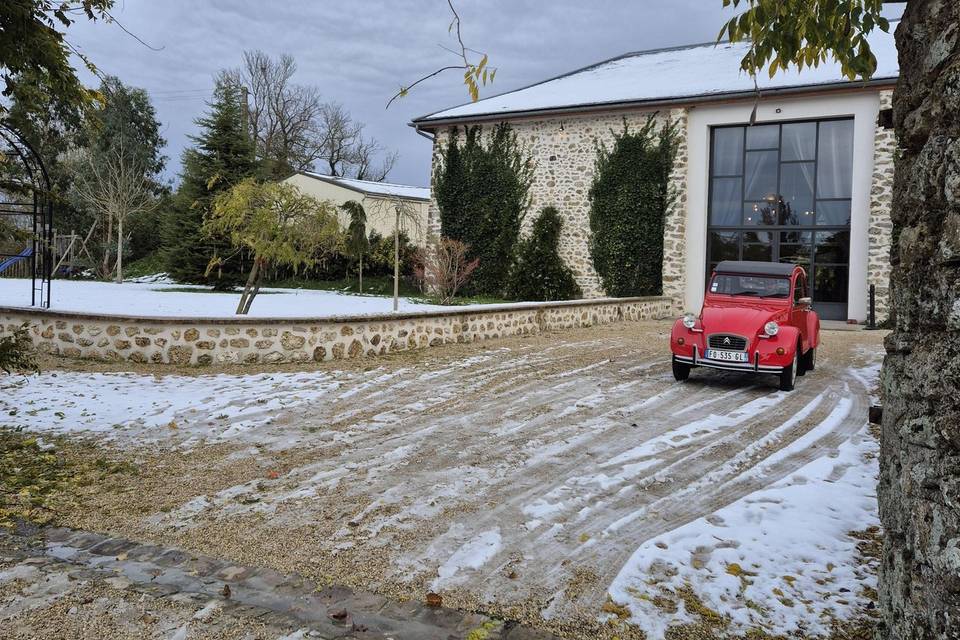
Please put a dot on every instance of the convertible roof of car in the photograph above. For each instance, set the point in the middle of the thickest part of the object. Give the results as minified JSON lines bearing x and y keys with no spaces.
{"x":748,"y":267}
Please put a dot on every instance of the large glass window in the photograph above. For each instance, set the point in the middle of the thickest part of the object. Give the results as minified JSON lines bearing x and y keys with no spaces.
{"x":781,"y":192}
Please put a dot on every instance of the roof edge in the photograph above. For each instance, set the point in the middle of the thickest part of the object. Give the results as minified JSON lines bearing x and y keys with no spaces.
{"x":629,"y":54}
{"x":622,"y":56}
{"x":425,"y":122}
{"x":333,"y":180}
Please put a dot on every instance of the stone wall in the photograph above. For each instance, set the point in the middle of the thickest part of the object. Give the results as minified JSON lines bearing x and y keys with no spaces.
{"x":881,"y":199}
{"x":213,"y":341}
{"x":565,"y":150}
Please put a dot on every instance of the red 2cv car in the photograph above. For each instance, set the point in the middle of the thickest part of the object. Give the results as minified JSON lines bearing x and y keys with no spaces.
{"x":756,"y":318}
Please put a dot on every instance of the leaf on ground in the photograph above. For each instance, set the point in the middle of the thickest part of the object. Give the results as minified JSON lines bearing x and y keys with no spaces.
{"x":618,"y":610}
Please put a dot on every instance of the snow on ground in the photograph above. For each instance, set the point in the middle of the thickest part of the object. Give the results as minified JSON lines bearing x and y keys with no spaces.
{"x":128,"y":406}
{"x":150,"y":299}
{"x":154,"y":278}
{"x":779,"y":558}
{"x":472,"y":555}
{"x":503,"y":474}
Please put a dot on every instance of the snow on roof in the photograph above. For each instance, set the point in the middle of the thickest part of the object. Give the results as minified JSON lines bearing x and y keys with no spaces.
{"x":374,"y":188}
{"x":696,"y":71}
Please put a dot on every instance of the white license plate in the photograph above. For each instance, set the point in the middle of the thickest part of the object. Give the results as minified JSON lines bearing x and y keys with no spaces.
{"x":727,"y":356}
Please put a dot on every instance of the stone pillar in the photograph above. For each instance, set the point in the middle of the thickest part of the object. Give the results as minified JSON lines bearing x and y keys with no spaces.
{"x":919,"y":488}
{"x":881,"y":198}
{"x":433,"y":211}
{"x":675,"y":221}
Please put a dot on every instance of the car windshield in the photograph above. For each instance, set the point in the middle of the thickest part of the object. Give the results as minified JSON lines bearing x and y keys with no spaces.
{"x":755,"y":286}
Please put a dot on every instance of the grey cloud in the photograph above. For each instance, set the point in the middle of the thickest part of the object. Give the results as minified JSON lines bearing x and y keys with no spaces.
{"x":359,"y":53}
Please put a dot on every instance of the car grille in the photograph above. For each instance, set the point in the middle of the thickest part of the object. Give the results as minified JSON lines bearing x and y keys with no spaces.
{"x":725,"y":341}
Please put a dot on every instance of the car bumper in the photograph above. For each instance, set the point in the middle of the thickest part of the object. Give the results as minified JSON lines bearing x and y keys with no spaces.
{"x":755,"y":367}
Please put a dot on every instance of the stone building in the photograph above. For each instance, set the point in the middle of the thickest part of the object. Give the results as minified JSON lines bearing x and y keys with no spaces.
{"x":809,"y":182}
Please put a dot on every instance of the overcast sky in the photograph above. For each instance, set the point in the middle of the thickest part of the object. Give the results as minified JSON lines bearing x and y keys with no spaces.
{"x":358,"y":53}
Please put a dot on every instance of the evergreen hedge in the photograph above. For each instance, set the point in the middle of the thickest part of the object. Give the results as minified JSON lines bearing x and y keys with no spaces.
{"x":539,"y":273}
{"x":629,"y":198}
{"x":482,"y":188}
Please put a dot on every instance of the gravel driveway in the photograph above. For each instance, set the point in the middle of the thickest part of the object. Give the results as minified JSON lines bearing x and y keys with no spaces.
{"x":564,"y":480}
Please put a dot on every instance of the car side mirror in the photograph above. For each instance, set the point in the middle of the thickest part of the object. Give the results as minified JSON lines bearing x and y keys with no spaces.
{"x":805,"y":302}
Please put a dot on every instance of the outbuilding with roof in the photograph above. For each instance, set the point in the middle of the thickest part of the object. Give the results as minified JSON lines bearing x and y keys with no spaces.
{"x":379,"y":200}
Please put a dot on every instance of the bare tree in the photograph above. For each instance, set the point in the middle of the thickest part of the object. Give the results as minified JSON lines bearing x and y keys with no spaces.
{"x":340,"y":134}
{"x":116,"y":185}
{"x":284,"y":117}
{"x":294,"y":130}
{"x":444,"y":268}
{"x":347,"y":152}
{"x":364,"y":159}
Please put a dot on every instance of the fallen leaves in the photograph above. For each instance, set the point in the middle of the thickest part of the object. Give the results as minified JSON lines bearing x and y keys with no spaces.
{"x":434,"y":600}
{"x":618,"y":610}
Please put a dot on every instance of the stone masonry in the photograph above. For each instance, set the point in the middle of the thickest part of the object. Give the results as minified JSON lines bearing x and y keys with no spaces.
{"x":219,"y":341}
{"x":564,"y":150}
{"x":881,"y":199}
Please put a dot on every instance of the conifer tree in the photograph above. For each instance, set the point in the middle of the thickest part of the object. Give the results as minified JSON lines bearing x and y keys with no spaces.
{"x":222,"y":157}
{"x":540,"y":273}
{"x":482,"y":188}
{"x":358,"y":244}
{"x":629,"y":199}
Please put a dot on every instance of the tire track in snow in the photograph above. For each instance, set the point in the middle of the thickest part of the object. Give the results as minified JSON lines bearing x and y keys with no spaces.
{"x":575,"y":453}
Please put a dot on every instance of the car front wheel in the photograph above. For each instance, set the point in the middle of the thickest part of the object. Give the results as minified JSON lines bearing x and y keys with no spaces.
{"x":788,"y":378}
{"x":810,"y":359}
{"x":681,"y":371}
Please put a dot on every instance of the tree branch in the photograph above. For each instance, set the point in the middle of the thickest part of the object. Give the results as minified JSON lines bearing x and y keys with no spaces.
{"x":476,"y":74}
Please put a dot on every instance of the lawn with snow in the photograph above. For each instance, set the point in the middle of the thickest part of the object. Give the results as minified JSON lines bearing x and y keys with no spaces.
{"x":157,"y":299}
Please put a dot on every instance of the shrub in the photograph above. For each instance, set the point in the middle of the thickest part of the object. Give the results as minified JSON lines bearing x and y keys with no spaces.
{"x":16,"y":352}
{"x":628,"y":202}
{"x":444,"y":268}
{"x":482,"y":190}
{"x":539,"y":273}
{"x":380,"y":258}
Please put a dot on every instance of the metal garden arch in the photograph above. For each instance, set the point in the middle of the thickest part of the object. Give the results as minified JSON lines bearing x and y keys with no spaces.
{"x":26,"y":206}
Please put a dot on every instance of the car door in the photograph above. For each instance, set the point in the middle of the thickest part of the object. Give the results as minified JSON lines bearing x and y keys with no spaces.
{"x":798,"y":312}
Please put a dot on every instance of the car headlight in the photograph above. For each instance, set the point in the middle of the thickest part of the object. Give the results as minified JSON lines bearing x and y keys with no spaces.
{"x":689,"y":321}
{"x":771,"y":328}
